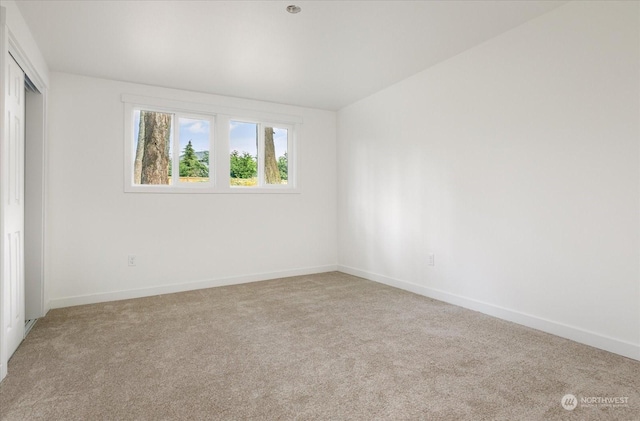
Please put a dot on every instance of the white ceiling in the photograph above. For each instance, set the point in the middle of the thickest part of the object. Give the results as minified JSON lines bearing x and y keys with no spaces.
{"x":328,"y":56}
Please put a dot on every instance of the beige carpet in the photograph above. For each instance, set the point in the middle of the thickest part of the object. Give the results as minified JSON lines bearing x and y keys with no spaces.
{"x":328,"y":346}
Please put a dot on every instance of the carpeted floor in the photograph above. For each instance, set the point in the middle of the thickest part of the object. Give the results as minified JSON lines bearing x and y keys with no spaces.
{"x":327,"y":346}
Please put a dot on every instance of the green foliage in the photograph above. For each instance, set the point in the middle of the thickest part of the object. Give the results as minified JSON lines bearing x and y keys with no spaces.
{"x":190,"y":165}
{"x":283,"y":166}
{"x":243,"y":166}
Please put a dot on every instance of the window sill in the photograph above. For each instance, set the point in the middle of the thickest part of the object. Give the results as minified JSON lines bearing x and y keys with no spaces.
{"x":209,"y":190}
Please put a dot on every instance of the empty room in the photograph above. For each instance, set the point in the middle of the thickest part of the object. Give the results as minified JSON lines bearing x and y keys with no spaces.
{"x":320,"y":210}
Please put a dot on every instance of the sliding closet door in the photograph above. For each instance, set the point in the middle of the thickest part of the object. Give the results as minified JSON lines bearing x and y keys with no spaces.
{"x":13,"y":208}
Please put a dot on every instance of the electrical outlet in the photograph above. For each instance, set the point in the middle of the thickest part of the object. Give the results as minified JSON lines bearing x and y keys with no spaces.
{"x":431,"y":260}
{"x":132,"y":260}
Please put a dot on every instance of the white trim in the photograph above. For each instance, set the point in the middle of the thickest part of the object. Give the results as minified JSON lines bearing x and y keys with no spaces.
{"x":190,"y":107}
{"x":259,"y":158}
{"x":188,"y":286}
{"x":596,"y":340}
{"x":4,"y":51}
{"x":21,"y":57}
{"x":38,"y":134}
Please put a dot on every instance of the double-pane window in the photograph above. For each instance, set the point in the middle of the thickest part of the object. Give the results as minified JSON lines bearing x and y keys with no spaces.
{"x":258,"y":154}
{"x":170,"y":148}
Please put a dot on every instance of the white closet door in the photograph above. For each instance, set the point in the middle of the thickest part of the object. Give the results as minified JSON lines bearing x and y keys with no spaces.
{"x":13,"y":204}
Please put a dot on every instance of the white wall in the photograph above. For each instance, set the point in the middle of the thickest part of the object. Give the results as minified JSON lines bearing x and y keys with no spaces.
{"x":518,"y":164}
{"x":181,"y":241}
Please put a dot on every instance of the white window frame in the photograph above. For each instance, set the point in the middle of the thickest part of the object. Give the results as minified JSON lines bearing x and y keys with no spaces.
{"x":219,"y":145}
{"x":291,"y":169}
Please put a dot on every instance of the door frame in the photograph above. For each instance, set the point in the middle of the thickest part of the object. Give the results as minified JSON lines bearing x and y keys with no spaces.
{"x":35,"y":158}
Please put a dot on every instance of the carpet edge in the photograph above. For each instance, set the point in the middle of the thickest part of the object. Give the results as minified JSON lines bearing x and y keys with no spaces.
{"x":183,"y":287}
{"x":596,"y":340}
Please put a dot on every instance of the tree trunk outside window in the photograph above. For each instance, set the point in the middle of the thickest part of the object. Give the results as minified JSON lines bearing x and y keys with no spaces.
{"x":155,"y":161}
{"x":271,"y":170}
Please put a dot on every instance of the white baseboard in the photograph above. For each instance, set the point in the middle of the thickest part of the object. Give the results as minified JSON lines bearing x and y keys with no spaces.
{"x":188,"y":286}
{"x":582,"y":336}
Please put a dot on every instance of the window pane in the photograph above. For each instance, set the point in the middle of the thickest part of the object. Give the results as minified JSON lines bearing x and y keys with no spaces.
{"x":243,"y":141}
{"x":194,"y":150}
{"x":153,"y":134}
{"x":276,"y":165}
